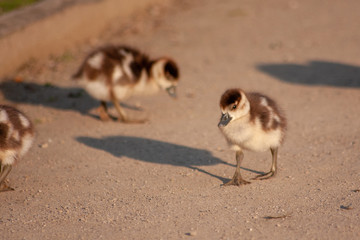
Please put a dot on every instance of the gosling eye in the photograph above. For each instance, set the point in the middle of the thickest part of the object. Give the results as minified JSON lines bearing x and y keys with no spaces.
{"x":234,"y":106}
{"x":168,"y":76}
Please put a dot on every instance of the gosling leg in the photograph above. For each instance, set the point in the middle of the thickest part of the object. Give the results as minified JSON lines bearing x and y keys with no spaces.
{"x":103,"y":112}
{"x":4,"y":172}
{"x":237,"y":179}
{"x":273,"y":170}
{"x":122,"y":115}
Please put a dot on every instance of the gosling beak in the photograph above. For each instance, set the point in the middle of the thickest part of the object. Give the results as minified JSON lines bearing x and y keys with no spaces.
{"x":171,"y":91}
{"x":224,"y":120}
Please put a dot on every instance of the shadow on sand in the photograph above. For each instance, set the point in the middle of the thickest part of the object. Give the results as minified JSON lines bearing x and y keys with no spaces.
{"x":155,"y":151}
{"x":51,"y":96}
{"x":48,"y":95}
{"x":315,"y":73}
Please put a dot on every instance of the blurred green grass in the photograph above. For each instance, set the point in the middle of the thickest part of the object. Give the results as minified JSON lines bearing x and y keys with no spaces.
{"x":10,"y":5}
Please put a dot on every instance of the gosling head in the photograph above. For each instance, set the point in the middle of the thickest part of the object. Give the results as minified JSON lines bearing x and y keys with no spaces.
{"x":234,"y":105}
{"x":165,"y":73}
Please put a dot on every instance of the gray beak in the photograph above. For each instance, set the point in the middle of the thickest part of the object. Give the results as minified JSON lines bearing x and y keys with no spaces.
{"x":224,"y":120}
{"x":171,"y":91}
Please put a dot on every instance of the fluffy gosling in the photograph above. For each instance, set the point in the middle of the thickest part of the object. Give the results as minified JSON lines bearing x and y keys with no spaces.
{"x":251,"y":121}
{"x":114,"y":73}
{"x":16,"y":137}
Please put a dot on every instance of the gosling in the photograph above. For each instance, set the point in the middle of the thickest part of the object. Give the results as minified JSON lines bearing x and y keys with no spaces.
{"x":16,"y":137}
{"x":114,"y":73}
{"x":251,"y":121}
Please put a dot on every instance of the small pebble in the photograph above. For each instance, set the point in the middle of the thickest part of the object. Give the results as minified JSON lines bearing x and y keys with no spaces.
{"x":44,"y":145}
{"x":192,"y":233}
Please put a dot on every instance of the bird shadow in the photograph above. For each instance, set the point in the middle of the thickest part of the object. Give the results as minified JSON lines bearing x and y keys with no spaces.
{"x":315,"y":73}
{"x":49,"y":95}
{"x":155,"y":151}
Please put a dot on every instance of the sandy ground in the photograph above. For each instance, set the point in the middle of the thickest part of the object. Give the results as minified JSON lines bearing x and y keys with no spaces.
{"x":85,"y":179}
{"x":52,"y":26}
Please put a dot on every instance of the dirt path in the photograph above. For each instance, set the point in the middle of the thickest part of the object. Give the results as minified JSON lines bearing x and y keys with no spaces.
{"x":85,"y":179}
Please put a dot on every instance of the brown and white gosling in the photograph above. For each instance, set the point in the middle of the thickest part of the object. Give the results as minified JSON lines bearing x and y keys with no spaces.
{"x":114,"y":73}
{"x":251,"y":121}
{"x":16,"y":137}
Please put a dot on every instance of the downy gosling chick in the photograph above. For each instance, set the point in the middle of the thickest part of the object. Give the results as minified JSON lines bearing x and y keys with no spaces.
{"x":16,"y":137}
{"x":114,"y":73}
{"x":251,"y":121}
